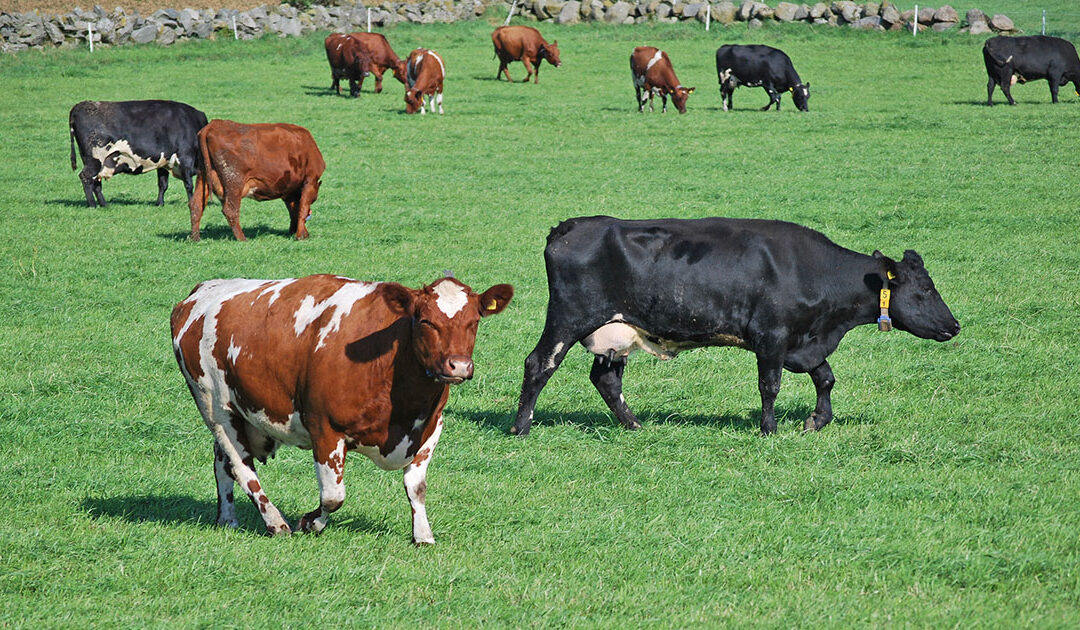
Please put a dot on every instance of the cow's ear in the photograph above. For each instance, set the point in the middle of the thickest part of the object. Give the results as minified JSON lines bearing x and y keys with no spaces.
{"x":889,"y":263}
{"x":495,"y":299}
{"x":691,"y":90}
{"x":400,"y":299}
{"x":808,"y":85}
{"x":913,"y":258}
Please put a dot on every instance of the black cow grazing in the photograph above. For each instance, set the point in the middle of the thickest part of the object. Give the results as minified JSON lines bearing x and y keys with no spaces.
{"x":758,"y":65}
{"x":1012,"y":60}
{"x":785,"y":292}
{"x":135,"y":137}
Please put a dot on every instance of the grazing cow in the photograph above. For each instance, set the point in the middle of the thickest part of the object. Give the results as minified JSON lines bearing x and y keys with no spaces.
{"x":348,"y":60}
{"x":134,"y":137}
{"x":524,"y":44}
{"x":785,"y":292}
{"x":758,"y":65}
{"x":264,"y":161}
{"x":653,"y":74}
{"x":328,"y":364}
{"x":424,"y":74}
{"x":1012,"y":60}
{"x":382,"y":57}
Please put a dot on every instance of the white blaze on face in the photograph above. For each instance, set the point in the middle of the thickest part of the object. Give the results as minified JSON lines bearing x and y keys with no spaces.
{"x":451,"y":298}
{"x":341,"y":301}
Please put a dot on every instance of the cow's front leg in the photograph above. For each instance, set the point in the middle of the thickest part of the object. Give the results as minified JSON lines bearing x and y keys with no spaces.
{"x":606,"y":376}
{"x":415,"y":480}
{"x":773,"y":98}
{"x":663,"y":102}
{"x":329,"y":452}
{"x":822,"y":376}
{"x":162,"y":185}
{"x":378,"y":81}
{"x":529,"y":70}
{"x":769,"y":370}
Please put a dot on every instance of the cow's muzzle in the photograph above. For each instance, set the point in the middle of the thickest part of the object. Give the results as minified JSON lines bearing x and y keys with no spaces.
{"x":453,"y":370}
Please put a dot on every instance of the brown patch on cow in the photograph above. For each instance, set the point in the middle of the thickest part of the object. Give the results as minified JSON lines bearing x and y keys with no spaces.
{"x":254,"y":486}
{"x":421,"y":457}
{"x":189,"y":344}
{"x":263,"y":498}
{"x":421,"y":491}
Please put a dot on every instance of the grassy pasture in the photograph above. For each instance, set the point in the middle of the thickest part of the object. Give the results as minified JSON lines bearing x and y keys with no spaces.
{"x":944,"y":493}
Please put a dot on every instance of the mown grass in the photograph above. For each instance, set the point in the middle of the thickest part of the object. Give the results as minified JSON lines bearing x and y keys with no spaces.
{"x":944,"y":494}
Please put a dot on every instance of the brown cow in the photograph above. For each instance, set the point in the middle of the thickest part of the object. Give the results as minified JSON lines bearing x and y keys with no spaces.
{"x":524,"y":44}
{"x":382,"y":57}
{"x":424,"y":74}
{"x":265,"y":161}
{"x":328,"y":364}
{"x":348,"y":60}
{"x":653,"y":74}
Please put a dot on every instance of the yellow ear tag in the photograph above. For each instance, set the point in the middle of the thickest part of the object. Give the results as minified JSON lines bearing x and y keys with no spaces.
{"x":884,"y":301}
{"x":890,"y":274}
{"x":792,"y":90}
{"x":492,"y":305}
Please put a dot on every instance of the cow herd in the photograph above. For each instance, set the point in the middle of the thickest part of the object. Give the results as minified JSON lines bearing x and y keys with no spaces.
{"x":333,"y":365}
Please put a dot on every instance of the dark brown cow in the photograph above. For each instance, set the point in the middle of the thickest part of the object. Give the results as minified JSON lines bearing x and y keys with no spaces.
{"x":382,"y":57}
{"x":328,"y":364}
{"x":348,"y":60}
{"x":263,"y":161}
{"x":424,"y":74}
{"x":653,"y":74}
{"x":524,"y":44}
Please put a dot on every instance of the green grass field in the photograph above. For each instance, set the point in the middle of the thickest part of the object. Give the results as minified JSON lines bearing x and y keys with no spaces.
{"x":944,"y":494}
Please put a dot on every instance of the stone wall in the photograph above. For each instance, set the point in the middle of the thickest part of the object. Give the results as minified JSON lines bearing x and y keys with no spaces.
{"x":29,"y":30}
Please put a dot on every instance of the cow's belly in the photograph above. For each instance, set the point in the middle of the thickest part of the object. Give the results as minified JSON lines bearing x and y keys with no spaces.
{"x":125,"y":160}
{"x":618,"y":340}
{"x":288,"y":430}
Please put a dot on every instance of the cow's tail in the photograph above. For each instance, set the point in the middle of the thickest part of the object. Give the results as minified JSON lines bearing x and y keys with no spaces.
{"x":71,"y":132}
{"x":202,"y":188}
{"x":989,"y":54}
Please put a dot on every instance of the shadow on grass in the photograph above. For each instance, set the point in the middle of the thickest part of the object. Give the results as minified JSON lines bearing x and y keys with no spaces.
{"x":789,"y":418}
{"x":120,"y":201}
{"x":178,"y":510}
{"x":224,"y":233}
{"x":312,"y":90}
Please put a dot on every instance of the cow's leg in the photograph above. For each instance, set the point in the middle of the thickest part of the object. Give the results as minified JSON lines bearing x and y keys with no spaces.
{"x":329,"y":452}
{"x":606,"y":376}
{"x":354,"y":88}
{"x":335,"y":81}
{"x":773,"y":97}
{"x":504,"y":68}
{"x":539,"y":366}
{"x":990,"y":84}
{"x":307,"y":196}
{"x":197,"y":203}
{"x":1054,"y":85}
{"x":663,"y":101}
{"x":1005,"y":79}
{"x":226,"y":508}
{"x":230,"y":207}
{"x":822,"y":377}
{"x":378,"y":81}
{"x":529,"y":70}
{"x":91,"y":186}
{"x":438,"y":98}
{"x":162,"y":185}
{"x":638,"y":100}
{"x":769,"y":370}
{"x":228,"y":432}
{"x":415,"y":480}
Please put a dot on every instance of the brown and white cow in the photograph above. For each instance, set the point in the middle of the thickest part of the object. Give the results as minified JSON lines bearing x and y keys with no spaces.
{"x":328,"y":364}
{"x":524,"y":44}
{"x":424,"y":74}
{"x":653,"y":75}
{"x":382,"y":56}
{"x":262,"y":161}
{"x":348,"y":60}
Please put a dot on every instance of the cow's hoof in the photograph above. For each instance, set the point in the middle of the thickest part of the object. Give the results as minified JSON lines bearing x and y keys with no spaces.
{"x":308,"y":524}
{"x":519,"y":431}
{"x":283,"y":530}
{"x":424,"y":543}
{"x":810,"y":425}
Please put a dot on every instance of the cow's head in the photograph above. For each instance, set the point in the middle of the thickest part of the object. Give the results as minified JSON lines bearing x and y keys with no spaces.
{"x":551,"y":53}
{"x":414,"y":98}
{"x":399,"y":71}
{"x":679,"y":96}
{"x":359,"y":66}
{"x":444,"y":316}
{"x":915,"y":305}
{"x":801,"y":95}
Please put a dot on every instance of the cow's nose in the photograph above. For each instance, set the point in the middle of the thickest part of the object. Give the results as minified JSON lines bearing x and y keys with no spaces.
{"x":458,"y":367}
{"x":956,"y":328}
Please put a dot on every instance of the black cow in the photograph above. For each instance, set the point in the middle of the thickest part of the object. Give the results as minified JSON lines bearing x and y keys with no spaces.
{"x":758,"y":65}
{"x":135,"y":137}
{"x":785,"y":292}
{"x":1021,"y":59}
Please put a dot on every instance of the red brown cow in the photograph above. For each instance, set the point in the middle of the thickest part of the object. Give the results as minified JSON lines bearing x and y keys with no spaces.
{"x":382,"y":57}
{"x":654,"y":75}
{"x":328,"y":364}
{"x":264,"y":161}
{"x":524,"y":44}
{"x":348,"y":60}
{"x":424,"y":73}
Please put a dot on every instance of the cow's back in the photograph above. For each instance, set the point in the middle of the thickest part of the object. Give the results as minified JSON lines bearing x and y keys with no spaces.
{"x":376,"y":45}
{"x":271,"y":150}
{"x":513,"y":40}
{"x":147,"y":125}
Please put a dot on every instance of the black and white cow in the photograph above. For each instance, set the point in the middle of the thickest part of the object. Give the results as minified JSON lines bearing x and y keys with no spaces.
{"x":1012,"y":60}
{"x":135,"y":137}
{"x":785,"y":292}
{"x":757,"y":65}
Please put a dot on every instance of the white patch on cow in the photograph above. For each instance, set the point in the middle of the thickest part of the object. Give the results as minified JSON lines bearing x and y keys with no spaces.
{"x":125,"y":155}
{"x":550,"y":365}
{"x":419,"y":422}
{"x":234,"y":351}
{"x":341,"y":301}
{"x":292,"y":433}
{"x":415,"y":479}
{"x":394,"y":460}
{"x":725,"y":74}
{"x":442,"y":68}
{"x":275,"y":290}
{"x":451,"y":298}
{"x":655,"y":58}
{"x":331,"y":491}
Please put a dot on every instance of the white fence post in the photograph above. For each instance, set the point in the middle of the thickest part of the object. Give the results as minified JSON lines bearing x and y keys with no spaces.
{"x":511,"y":14}
{"x":90,"y":34}
{"x":369,"y":19}
{"x":1044,"y":22}
{"x":708,"y":16}
{"x":915,"y":22}
{"x":235,"y":35}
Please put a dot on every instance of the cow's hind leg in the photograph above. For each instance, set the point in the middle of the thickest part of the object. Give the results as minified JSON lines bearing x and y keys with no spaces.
{"x":539,"y":366}
{"x":990,"y":85}
{"x":91,"y":187}
{"x":1054,"y":85}
{"x":606,"y":376}
{"x":162,"y":185}
{"x":1005,"y":80}
{"x":230,"y":207}
{"x":769,"y":371}
{"x":822,"y":377}
{"x":329,"y":452}
{"x":226,"y":508}
{"x":415,"y":480}
{"x":240,"y":465}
